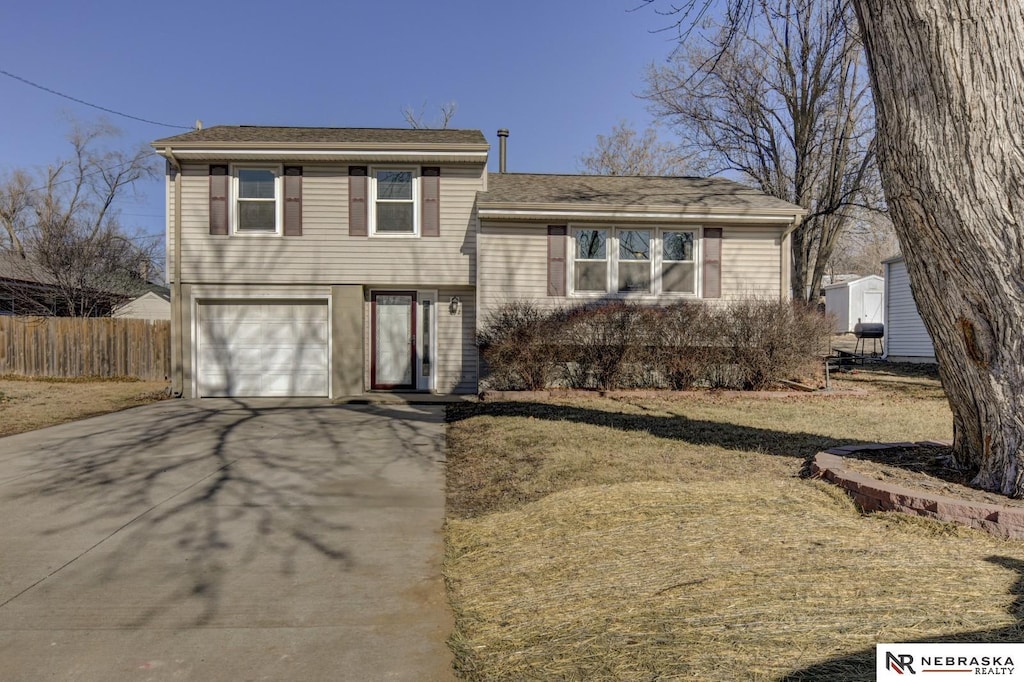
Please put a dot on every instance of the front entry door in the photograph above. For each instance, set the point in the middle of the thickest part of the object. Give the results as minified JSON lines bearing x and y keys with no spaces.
{"x":394,"y":339}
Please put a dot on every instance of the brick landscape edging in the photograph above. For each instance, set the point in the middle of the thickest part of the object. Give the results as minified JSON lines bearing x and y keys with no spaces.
{"x":873,"y":495}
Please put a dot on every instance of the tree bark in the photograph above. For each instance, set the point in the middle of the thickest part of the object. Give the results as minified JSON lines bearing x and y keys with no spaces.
{"x":948,"y":77}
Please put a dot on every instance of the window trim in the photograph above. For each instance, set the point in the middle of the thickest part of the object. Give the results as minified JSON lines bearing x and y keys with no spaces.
{"x":278,"y":172}
{"x":653,"y":244}
{"x":373,"y":200}
{"x":698,"y":237}
{"x":657,"y":261}
{"x":573,"y":229}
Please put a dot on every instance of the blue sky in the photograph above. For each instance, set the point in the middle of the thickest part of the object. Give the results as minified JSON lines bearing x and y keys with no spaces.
{"x":556,"y":73}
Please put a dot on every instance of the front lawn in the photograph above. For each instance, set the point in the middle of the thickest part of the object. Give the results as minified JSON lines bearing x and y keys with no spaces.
{"x":28,"y":404}
{"x":598,"y":539}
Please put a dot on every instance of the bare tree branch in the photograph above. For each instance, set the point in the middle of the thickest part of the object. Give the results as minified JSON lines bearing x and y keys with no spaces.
{"x":626,"y":152}
{"x":777,"y":92}
{"x":415,"y":119}
{"x":65,"y":252}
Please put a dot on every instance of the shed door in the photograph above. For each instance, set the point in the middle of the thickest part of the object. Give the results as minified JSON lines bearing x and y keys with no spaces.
{"x":268,"y":349}
{"x":872,"y":306}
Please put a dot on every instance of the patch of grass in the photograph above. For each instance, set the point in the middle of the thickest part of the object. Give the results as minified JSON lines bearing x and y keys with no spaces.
{"x":34,"y":404}
{"x":69,"y":380}
{"x":607,"y":539}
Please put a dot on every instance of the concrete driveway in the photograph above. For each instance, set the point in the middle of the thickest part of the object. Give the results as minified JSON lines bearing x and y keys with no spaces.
{"x":226,"y":540}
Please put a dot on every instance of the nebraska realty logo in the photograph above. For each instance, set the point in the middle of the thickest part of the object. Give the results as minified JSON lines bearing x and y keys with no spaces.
{"x":954,"y":661}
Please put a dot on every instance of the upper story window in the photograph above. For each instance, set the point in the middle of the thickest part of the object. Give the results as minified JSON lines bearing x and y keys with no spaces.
{"x":257,"y":208}
{"x":395,"y":201}
{"x":627,"y":261}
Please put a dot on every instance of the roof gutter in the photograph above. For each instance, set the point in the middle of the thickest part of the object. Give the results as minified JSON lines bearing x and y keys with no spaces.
{"x":798,"y":219}
{"x":631,"y":213}
{"x":177,"y":305}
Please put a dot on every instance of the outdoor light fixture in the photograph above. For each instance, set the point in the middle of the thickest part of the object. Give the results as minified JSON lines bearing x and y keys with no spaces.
{"x":453,"y":305}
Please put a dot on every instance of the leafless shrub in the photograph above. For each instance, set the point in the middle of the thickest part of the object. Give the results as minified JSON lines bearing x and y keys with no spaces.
{"x":517,"y":348}
{"x":747,"y":345}
{"x":603,"y":340}
{"x":768,"y":341}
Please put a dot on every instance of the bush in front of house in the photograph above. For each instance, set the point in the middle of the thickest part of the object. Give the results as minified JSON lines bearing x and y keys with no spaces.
{"x":769,"y":341}
{"x":749,"y":345}
{"x":601,"y":343}
{"x":517,"y":346}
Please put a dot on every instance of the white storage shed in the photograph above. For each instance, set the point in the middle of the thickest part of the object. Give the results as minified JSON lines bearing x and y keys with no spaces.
{"x":906,"y":338}
{"x":853,"y":301}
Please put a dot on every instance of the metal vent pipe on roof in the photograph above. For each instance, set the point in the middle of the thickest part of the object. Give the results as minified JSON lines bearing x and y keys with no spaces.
{"x":502,"y":137}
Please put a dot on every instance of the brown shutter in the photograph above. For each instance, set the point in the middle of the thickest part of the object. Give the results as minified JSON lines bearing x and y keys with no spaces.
{"x":430,"y":209}
{"x":712,"y":262}
{"x":293,"y":201}
{"x":357,"y":201}
{"x":219,"y":190}
{"x":556,"y":259}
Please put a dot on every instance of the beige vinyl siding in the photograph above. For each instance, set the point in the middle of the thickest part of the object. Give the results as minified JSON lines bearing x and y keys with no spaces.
{"x":513,"y":265}
{"x":457,"y":357}
{"x":325,"y":253}
{"x":906,"y":337}
{"x":751,"y":262}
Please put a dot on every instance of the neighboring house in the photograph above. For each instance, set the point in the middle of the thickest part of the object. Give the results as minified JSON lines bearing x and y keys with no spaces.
{"x":333,"y":261}
{"x":906,"y":338}
{"x":855,"y":300}
{"x":152,"y":305}
{"x":23,"y":291}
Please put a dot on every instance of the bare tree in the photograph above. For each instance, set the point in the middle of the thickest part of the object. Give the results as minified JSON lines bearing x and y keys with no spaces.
{"x":946,"y":79}
{"x":778,"y":93}
{"x":869,"y":240}
{"x":624,"y":151}
{"x":415,"y":119}
{"x":64,"y":250}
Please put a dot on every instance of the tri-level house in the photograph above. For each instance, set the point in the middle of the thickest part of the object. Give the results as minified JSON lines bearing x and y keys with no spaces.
{"x":336,"y":261}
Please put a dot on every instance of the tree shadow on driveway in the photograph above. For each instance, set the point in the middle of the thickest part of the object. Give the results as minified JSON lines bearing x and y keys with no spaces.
{"x":184,"y":510}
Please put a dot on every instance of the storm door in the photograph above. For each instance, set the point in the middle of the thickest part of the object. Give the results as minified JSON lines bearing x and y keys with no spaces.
{"x":394,"y":339}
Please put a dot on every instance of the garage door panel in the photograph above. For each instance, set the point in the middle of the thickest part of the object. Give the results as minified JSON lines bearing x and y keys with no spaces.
{"x":285,"y":358}
{"x":294,"y":383}
{"x":294,"y":333}
{"x":217,"y":359}
{"x":263,"y":349}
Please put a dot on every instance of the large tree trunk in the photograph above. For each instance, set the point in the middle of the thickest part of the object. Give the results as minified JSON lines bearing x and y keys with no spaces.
{"x":948,"y":77}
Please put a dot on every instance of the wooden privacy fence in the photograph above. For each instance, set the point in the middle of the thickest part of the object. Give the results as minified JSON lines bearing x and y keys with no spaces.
{"x":85,"y":347}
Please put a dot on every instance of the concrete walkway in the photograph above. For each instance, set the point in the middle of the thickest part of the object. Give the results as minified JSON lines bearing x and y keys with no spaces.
{"x":226,"y":540}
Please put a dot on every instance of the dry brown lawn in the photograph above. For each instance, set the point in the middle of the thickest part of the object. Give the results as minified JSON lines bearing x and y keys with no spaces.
{"x":598,"y":539}
{"x":26,"y":404}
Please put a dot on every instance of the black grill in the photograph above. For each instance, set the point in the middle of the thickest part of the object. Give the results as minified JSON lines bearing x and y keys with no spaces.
{"x":869,"y":330}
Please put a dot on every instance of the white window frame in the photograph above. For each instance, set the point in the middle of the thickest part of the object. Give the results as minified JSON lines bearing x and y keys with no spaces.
{"x":698,"y":240}
{"x":656,"y":262}
{"x":652,"y":246}
{"x":609,"y":241}
{"x":416,"y":201}
{"x":278,"y":200}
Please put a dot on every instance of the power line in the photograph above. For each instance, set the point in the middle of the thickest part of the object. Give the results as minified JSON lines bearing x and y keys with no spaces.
{"x":88,"y":104}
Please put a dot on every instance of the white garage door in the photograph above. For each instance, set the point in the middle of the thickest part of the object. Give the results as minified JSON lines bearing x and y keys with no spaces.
{"x":263,"y":349}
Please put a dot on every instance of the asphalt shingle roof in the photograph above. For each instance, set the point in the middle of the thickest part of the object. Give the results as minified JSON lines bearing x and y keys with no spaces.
{"x":628,"y":191}
{"x":273,"y":134}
